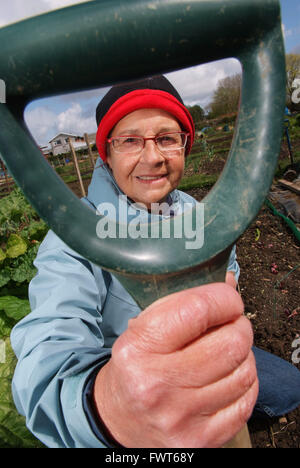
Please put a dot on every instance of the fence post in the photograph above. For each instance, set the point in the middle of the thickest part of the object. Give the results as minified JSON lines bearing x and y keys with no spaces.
{"x":86,"y":137}
{"x":77,"y":168}
{"x":3,"y":167}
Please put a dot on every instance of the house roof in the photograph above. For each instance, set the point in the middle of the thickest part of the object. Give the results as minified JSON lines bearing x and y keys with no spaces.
{"x":65,"y":134}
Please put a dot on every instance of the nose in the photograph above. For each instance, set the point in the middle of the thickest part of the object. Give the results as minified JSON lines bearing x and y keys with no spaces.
{"x":151,"y":154}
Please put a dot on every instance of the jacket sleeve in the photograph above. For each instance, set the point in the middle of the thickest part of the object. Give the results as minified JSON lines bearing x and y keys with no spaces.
{"x":58,"y":345}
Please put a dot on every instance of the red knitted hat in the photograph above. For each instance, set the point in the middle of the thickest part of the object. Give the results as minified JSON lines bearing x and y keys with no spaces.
{"x":152,"y":93}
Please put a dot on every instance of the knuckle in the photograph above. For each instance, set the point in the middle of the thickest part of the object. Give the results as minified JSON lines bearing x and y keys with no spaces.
{"x":248,"y":376}
{"x":145,"y":393}
{"x":247,"y":402}
{"x":123,"y":351}
{"x":168,"y":424}
{"x":239,"y":345}
{"x":147,"y":333}
{"x":236,"y":352}
{"x":244,"y":410}
{"x":142,"y":386}
{"x":185,"y":311}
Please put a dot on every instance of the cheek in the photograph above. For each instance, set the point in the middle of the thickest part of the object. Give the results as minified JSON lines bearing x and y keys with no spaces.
{"x":177,"y":168}
{"x":121,"y":169}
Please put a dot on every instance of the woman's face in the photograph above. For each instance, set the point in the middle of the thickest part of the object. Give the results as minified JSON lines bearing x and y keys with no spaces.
{"x":147,"y":177}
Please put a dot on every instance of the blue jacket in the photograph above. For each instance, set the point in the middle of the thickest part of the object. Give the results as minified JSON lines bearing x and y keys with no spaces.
{"x":77,"y":312}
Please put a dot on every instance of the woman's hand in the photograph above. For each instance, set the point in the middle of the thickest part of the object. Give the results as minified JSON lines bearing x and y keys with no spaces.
{"x":182,"y":374}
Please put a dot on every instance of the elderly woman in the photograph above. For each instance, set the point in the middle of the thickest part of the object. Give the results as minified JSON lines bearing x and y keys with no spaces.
{"x":182,"y":373}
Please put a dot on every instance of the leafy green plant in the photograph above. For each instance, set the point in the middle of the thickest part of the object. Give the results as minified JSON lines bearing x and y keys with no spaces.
{"x":15,"y":246}
{"x":21,"y":232}
{"x":13,"y":431}
{"x":208,"y":149}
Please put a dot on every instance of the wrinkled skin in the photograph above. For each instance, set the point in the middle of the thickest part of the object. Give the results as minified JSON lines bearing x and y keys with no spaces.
{"x":127,"y":169}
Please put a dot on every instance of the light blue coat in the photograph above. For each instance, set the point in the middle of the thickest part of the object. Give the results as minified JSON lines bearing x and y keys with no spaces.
{"x":77,"y":313}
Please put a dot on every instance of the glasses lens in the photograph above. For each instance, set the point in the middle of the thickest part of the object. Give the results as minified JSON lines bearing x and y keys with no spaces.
{"x":128,"y":144}
{"x":171,"y":141}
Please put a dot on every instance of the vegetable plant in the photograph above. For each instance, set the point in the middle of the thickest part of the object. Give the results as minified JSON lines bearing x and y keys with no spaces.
{"x":21,"y":232}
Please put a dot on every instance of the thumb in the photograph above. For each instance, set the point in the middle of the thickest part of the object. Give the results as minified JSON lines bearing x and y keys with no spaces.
{"x":174,"y":321}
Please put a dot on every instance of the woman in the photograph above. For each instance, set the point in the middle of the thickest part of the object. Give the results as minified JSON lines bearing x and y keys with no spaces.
{"x":182,"y":373}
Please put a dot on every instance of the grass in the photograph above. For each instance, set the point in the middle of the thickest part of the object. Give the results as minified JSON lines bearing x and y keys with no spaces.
{"x":195,"y":156}
{"x":73,"y":178}
{"x":294,"y":128}
{"x":198,"y":181}
{"x":219,"y":149}
{"x":204,"y":152}
{"x":69,"y":169}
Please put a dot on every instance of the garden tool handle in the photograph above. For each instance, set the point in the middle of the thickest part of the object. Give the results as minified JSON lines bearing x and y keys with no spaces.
{"x":241,"y":440}
{"x":82,"y":47}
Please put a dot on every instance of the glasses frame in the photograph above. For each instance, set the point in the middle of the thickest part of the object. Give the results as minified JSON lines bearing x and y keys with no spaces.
{"x":186,"y":134}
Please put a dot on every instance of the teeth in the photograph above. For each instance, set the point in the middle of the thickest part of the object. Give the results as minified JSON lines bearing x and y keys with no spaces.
{"x":149,"y":178}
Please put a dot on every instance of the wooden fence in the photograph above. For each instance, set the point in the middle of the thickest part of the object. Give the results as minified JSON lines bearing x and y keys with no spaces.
{"x":76,"y":170}
{"x":7,"y":183}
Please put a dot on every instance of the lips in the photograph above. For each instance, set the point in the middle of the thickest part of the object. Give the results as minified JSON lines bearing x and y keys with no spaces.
{"x":149,"y":178}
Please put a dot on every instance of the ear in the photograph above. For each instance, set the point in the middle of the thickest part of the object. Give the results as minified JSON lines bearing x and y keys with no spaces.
{"x":108,"y":157}
{"x":108,"y":162}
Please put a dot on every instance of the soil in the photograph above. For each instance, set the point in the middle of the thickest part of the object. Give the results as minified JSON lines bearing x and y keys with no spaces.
{"x":269,"y":258}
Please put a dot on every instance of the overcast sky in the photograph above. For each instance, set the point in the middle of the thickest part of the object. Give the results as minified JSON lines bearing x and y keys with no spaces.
{"x":75,"y":113}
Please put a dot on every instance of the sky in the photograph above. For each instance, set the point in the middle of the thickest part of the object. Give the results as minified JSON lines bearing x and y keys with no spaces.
{"x":75,"y":113}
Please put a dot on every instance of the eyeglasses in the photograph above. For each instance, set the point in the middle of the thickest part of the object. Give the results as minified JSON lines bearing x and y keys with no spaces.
{"x":167,"y":143}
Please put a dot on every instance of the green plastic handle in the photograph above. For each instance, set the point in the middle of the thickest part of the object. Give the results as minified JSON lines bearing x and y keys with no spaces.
{"x":103,"y":42}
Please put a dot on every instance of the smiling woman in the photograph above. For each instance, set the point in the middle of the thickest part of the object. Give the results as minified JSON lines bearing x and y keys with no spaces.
{"x":150,"y":167}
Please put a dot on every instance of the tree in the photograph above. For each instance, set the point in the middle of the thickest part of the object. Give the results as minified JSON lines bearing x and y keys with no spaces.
{"x":226,"y":97}
{"x":198,"y":115}
{"x":292,"y":73}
